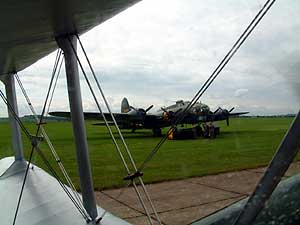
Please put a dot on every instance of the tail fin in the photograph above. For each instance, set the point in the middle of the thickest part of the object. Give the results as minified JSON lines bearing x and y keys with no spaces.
{"x":125,"y":108}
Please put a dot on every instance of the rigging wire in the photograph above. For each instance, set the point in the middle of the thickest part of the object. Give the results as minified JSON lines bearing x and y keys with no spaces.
{"x":112,"y":136}
{"x":34,"y":140}
{"x":24,"y":129}
{"x":55,"y":83}
{"x":110,"y":131}
{"x":137,"y":172}
{"x":212,"y":77}
{"x":34,"y":145}
{"x":14,"y":114}
{"x":116,"y":198}
{"x":55,"y":155}
{"x":56,"y":176}
{"x":232,"y":52}
{"x":191,"y":104}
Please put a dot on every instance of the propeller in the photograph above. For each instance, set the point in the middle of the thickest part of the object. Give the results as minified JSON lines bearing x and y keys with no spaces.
{"x":150,"y":107}
{"x":133,"y":108}
{"x":227,"y":121}
{"x":140,"y":114}
{"x":170,"y":115}
{"x":225,"y":113}
{"x":219,"y":108}
{"x":140,"y":111}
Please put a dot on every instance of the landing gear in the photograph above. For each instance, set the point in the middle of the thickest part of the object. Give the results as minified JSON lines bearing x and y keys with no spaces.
{"x":156,"y":132}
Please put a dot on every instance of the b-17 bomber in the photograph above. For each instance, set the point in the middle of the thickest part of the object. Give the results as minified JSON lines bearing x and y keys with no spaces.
{"x":138,"y":118}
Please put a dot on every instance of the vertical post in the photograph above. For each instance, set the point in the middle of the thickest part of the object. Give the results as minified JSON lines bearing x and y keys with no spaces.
{"x":77,"y":118}
{"x":16,"y":136}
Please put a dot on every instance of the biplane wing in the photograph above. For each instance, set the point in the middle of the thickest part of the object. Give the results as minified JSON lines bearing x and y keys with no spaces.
{"x":29,"y":31}
{"x":28,"y":28}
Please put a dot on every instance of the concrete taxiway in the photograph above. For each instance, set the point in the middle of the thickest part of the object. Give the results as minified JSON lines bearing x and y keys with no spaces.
{"x":184,"y":201}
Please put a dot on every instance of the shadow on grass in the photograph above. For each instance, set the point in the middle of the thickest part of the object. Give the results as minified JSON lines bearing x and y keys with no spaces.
{"x":126,"y":135}
{"x":148,"y":135}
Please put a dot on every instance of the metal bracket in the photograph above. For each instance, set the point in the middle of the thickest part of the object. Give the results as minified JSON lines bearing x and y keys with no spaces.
{"x":35,"y":140}
{"x":134,"y":175}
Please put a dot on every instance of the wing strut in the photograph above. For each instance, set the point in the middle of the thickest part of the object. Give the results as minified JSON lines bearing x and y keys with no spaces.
{"x":77,"y":118}
{"x":278,"y":166}
{"x":131,"y":161}
{"x":74,"y":196}
{"x":35,"y":140}
{"x":9,"y":83}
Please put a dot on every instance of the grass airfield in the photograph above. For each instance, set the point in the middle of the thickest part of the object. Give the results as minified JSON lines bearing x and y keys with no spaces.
{"x":246,"y":143}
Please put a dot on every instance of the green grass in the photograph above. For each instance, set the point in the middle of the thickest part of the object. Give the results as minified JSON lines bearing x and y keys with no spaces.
{"x":246,"y":143}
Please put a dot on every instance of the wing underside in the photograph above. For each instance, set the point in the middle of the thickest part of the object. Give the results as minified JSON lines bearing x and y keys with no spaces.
{"x":28,"y":28}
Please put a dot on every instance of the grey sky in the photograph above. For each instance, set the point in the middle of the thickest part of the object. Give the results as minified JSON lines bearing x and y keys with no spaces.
{"x":160,"y":51}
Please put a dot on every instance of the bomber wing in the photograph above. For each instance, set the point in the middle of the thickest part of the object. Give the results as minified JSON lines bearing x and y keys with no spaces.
{"x":124,"y":120}
{"x":238,"y":113}
{"x":95,"y":116}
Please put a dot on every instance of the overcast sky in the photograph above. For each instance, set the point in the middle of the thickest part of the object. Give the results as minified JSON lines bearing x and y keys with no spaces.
{"x":159,"y":51}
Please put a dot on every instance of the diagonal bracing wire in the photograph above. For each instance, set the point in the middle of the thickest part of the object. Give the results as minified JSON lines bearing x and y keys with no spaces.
{"x":111,"y":134}
{"x":119,"y":132}
{"x":55,"y":83}
{"x":31,"y":154}
{"x":56,"y":176}
{"x":212,"y":77}
{"x":33,"y":144}
{"x":113,"y":138}
{"x":14,"y":114}
{"x":53,"y":151}
{"x":24,"y":129}
{"x":34,"y":141}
